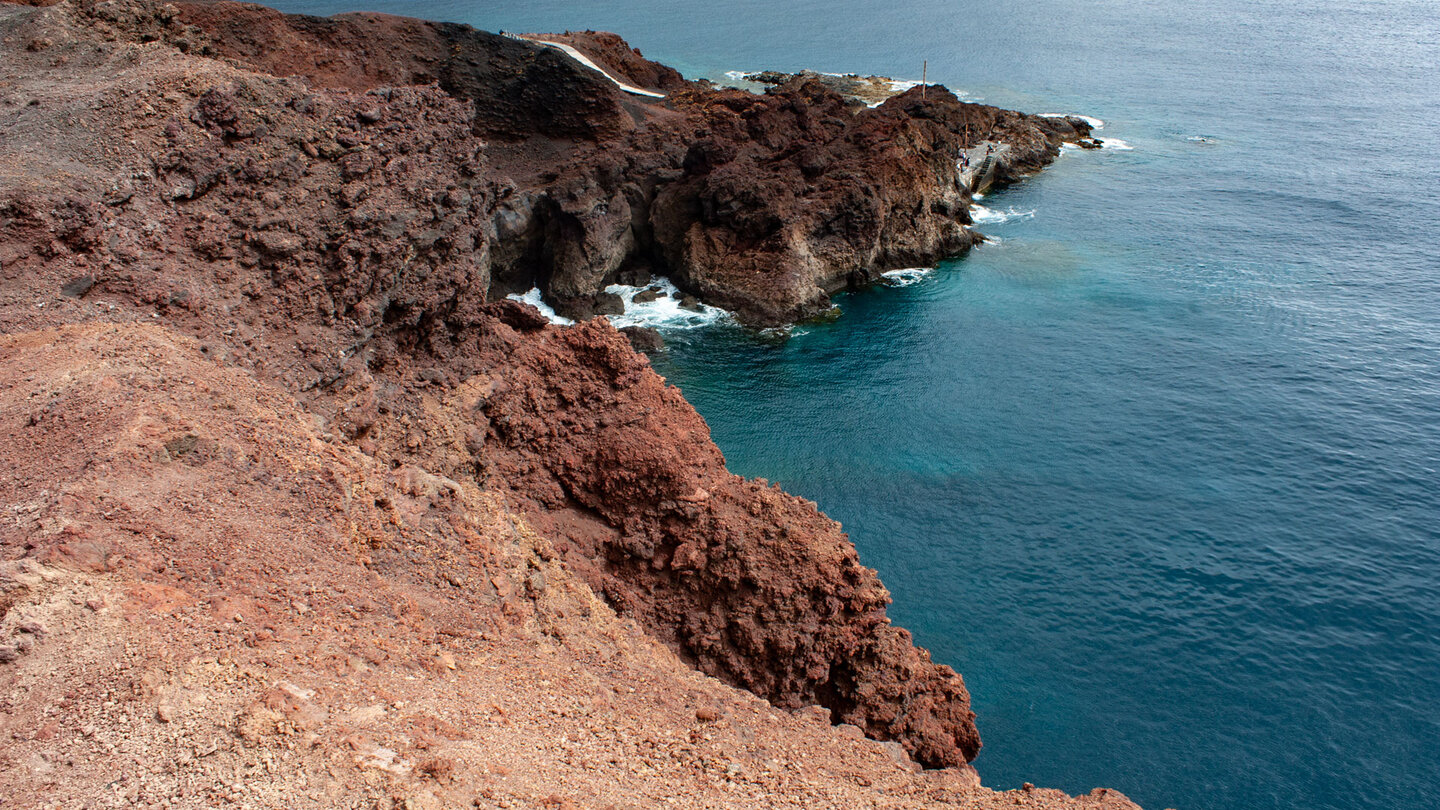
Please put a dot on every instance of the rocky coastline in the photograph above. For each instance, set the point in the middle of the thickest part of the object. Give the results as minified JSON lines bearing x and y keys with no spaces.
{"x":298,"y":497}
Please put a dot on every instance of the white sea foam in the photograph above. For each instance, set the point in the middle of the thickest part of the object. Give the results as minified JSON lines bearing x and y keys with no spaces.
{"x":664,"y":312}
{"x":1112,"y":144}
{"x":989,"y":216}
{"x":1095,"y":123}
{"x":534,"y":299}
{"x":780,"y":334}
{"x":906,"y":276}
{"x":1200,"y":139}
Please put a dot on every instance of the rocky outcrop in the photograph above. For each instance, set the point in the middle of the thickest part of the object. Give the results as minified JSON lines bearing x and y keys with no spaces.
{"x":207,"y":598}
{"x":341,"y":236}
{"x":764,"y":205}
{"x":753,"y":585}
{"x":794,"y":195}
{"x":857,"y":90}
{"x":518,"y":89}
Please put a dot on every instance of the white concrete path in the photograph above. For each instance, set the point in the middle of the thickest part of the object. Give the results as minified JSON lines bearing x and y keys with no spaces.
{"x":585,"y":60}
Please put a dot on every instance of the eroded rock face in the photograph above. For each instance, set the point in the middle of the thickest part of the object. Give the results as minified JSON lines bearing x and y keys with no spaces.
{"x":196,"y":576}
{"x":753,"y":585}
{"x":340,"y":236}
{"x":773,"y":216}
{"x":764,"y":205}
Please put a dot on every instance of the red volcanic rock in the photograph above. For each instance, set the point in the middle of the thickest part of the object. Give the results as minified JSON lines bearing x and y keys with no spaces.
{"x":764,"y":205}
{"x":343,"y":236}
{"x":196,"y":577}
{"x":753,"y":585}
{"x":795,"y":195}
{"x":519,"y":89}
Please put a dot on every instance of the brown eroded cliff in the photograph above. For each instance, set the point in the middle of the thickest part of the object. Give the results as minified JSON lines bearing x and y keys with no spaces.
{"x":325,"y":238}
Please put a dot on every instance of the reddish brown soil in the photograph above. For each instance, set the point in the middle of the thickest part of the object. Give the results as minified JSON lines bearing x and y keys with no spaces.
{"x":323,"y":410}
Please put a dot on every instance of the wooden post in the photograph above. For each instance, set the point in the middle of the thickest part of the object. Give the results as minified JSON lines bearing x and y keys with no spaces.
{"x":924,"y":75}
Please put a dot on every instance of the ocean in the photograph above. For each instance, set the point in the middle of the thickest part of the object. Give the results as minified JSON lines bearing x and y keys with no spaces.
{"x":1159,"y":469}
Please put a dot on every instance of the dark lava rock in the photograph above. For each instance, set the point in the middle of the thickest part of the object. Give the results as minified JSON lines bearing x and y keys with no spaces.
{"x":768,"y":77}
{"x":586,"y":307}
{"x":644,"y":339}
{"x":77,"y":287}
{"x":646,"y":295}
{"x":634,"y":277}
{"x":182,"y":446}
{"x":609,"y":304}
{"x":576,"y":309}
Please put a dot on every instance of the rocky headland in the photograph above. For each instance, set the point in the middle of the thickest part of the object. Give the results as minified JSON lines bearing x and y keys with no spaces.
{"x":301,"y":511}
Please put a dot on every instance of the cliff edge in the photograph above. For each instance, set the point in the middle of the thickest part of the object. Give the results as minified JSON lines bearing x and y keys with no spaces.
{"x":283,"y":437}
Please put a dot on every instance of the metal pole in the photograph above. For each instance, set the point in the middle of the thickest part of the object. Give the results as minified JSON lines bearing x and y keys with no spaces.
{"x":924,"y":76}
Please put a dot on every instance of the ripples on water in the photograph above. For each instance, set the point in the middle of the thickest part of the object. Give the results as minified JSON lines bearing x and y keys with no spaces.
{"x":1159,"y":472}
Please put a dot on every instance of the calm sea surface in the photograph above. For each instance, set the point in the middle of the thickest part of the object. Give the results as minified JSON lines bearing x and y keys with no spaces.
{"x":1159,"y":472}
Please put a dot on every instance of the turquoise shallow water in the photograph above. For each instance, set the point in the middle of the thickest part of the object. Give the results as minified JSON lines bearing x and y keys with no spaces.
{"x":1159,"y":472}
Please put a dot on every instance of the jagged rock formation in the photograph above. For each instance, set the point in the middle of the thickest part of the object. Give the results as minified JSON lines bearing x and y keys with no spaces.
{"x":764,"y":205}
{"x":330,"y":207}
{"x":753,"y":585}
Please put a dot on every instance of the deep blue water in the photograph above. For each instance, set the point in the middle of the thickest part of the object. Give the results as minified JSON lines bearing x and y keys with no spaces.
{"x":1159,"y":473}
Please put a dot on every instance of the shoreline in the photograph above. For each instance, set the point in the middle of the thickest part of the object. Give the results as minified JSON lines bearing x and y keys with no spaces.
{"x":323,"y":492}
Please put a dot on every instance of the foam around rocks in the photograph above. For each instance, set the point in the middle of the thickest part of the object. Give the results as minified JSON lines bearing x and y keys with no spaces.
{"x":664,"y":312}
{"x":536,"y":299}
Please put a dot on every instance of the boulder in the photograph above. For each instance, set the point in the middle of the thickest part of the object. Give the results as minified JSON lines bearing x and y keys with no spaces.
{"x":643,"y":339}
